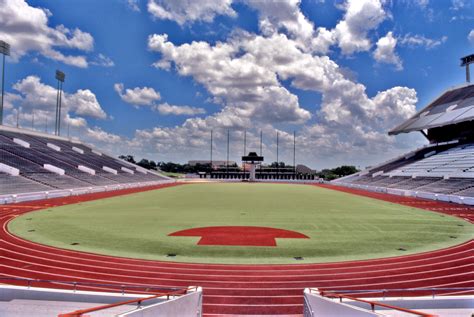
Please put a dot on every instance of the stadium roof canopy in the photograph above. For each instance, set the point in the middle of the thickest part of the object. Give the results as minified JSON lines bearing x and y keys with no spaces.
{"x":453,"y":106}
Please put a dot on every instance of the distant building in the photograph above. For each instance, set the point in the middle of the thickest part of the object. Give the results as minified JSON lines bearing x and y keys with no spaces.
{"x":215,"y":164}
{"x":303,"y":169}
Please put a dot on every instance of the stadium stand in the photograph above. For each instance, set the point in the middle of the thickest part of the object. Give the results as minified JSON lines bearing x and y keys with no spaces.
{"x":443,"y":169}
{"x":36,"y":162}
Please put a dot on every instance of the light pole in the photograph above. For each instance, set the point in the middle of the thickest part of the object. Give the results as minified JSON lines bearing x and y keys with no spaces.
{"x":60,"y":76}
{"x":294,"y":154}
{"x":465,"y":62}
{"x":245,"y":152}
{"x":278,"y":163}
{"x":4,"y":50}
{"x":210,"y":172}
{"x":227,"y":162}
{"x":261,"y":141}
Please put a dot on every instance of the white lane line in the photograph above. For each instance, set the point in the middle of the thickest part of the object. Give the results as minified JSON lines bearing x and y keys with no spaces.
{"x":203,"y":282}
{"x":32,"y":257}
{"x":453,"y":284}
{"x":78,"y":256}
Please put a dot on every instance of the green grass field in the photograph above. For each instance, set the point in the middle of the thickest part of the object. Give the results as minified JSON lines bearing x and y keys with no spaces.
{"x":174,"y":175}
{"x":341,"y":226}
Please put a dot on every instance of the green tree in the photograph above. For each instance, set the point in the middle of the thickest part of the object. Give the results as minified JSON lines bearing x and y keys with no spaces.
{"x":128,"y":158}
{"x":345,"y":170}
{"x":341,"y":171}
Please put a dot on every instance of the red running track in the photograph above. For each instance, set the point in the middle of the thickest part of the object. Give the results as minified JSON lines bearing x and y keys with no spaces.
{"x":238,"y":289}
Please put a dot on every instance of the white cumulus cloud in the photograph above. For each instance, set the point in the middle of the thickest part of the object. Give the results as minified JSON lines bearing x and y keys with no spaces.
{"x":183,"y":11}
{"x":385,"y":51}
{"x":167,"y":109}
{"x":418,"y":40}
{"x":98,"y":135}
{"x":35,"y":95}
{"x":33,"y":103}
{"x":144,"y":96}
{"x":470,"y":36}
{"x":26,"y":29}
{"x":351,"y":34}
{"x":102,"y":60}
{"x":245,"y":75}
{"x":133,"y":5}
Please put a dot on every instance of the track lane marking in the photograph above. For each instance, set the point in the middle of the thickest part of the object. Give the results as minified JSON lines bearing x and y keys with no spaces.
{"x":315,"y":282}
{"x":238,"y":276}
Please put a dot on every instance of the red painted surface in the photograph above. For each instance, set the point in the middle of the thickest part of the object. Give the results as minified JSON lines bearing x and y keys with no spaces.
{"x":237,"y":289}
{"x":465,"y":212}
{"x":239,"y":235}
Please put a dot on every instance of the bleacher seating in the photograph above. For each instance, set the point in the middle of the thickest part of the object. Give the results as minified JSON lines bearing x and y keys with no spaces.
{"x":442,"y":169}
{"x":446,"y":169}
{"x":455,"y":161}
{"x":34,"y":151}
{"x":17,"y":184}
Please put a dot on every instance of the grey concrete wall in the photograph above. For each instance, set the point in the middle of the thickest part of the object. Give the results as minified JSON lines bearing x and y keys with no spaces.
{"x":420,"y":303}
{"x":189,"y":305}
{"x":323,"y":306}
{"x":8,"y":293}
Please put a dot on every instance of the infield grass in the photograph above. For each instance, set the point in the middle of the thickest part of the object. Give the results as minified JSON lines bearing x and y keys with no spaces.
{"x":341,"y":226}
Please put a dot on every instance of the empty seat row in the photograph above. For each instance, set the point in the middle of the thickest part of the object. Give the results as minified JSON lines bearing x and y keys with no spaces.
{"x":446,"y":171}
{"x":46,"y":163}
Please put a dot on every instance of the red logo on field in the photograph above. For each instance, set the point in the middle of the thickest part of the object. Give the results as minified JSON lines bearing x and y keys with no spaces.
{"x":239,"y":235}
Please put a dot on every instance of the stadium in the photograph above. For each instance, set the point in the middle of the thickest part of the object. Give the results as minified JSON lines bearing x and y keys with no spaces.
{"x":74,"y":217}
{"x":85,"y":233}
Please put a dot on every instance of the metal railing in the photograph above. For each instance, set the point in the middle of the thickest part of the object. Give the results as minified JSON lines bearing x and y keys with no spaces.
{"x":431,"y":291}
{"x":61,"y":193}
{"x":138,"y":301}
{"x":153,"y":291}
{"x":344,"y":294}
{"x":75,"y":286}
{"x":374,"y":304}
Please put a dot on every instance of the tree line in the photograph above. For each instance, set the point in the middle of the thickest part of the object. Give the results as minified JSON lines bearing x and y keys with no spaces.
{"x":341,"y":171}
{"x":171,"y":167}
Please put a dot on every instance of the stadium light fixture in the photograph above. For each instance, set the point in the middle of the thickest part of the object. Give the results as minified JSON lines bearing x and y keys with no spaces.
{"x":60,"y":76}
{"x":18,"y":117}
{"x":465,"y":62}
{"x":294,"y":154}
{"x":278,"y":163}
{"x":227,"y":162}
{"x":212,"y":132}
{"x":245,"y":142}
{"x":245,"y":152}
{"x":5,"y":51}
{"x":261,"y":141}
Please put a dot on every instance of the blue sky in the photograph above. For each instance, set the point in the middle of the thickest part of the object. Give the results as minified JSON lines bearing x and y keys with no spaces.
{"x":153,"y":77}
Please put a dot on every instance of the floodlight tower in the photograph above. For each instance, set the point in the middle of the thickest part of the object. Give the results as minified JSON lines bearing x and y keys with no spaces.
{"x":5,"y":51}
{"x":245,"y":151}
{"x":278,"y":160}
{"x":465,"y":62}
{"x":60,"y":76}
{"x":210,"y":172}
{"x":294,"y":154}
{"x":227,"y":162}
